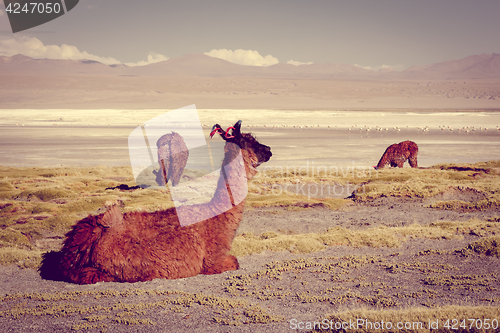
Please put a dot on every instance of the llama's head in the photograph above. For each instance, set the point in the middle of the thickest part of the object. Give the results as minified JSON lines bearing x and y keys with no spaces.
{"x":254,"y":153}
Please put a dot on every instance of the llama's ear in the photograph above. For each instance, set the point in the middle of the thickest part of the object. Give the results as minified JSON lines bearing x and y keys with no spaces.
{"x":237,"y":129}
{"x":216,"y":129}
{"x":112,"y":217}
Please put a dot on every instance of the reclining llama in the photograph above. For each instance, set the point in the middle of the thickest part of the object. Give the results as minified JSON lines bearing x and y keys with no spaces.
{"x":397,"y":154}
{"x":173,"y":155}
{"x":141,"y":246}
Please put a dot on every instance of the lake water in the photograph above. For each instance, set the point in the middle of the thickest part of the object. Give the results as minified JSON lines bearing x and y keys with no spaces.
{"x":344,"y":138}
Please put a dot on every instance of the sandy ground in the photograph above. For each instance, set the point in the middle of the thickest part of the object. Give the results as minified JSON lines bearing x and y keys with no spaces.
{"x":130,"y":92}
{"x":272,"y":288}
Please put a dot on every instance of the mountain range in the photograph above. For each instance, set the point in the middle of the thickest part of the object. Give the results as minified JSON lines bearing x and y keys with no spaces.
{"x":483,"y":66}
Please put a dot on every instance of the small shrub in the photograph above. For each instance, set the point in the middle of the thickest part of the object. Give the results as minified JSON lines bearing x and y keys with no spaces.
{"x":488,"y":245}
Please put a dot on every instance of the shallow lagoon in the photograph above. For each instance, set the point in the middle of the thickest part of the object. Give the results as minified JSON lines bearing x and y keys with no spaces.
{"x":344,"y":138}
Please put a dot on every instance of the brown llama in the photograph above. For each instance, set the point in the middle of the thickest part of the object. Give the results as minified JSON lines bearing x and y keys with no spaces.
{"x":173,"y":155}
{"x":397,"y":154}
{"x":141,"y":246}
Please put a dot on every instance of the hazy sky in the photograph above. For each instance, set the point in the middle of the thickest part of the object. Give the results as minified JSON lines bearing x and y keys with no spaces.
{"x":364,"y":32}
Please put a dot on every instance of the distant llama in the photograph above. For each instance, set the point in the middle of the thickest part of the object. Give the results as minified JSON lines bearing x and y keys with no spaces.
{"x":173,"y":155}
{"x":141,"y":246}
{"x":397,"y":154}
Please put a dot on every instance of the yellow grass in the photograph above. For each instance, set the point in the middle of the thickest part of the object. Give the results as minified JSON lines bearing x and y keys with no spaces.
{"x":36,"y":202}
{"x":293,"y":201}
{"x":416,"y":319}
{"x":20,"y":257}
{"x":226,"y":311}
{"x":487,"y":245}
{"x":397,"y":182}
{"x":246,"y":244}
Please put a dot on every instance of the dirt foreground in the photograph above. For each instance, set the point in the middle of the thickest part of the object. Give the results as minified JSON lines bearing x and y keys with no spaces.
{"x":274,"y":291}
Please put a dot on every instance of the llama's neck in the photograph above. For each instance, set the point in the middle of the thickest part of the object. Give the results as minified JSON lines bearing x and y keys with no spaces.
{"x":384,"y":159}
{"x":229,"y":196}
{"x":232,"y":187}
{"x":382,"y":162}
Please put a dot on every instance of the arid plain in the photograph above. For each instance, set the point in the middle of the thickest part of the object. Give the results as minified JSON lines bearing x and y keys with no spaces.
{"x":110,"y":92}
{"x":406,"y":246}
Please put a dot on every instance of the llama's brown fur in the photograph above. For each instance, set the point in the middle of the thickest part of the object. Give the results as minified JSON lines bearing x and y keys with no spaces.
{"x":173,"y":155}
{"x":141,"y":246}
{"x":397,"y":154}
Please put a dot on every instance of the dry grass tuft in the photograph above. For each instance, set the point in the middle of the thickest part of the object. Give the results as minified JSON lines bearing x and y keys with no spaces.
{"x":416,"y":319}
{"x":226,"y":311}
{"x":465,"y":205}
{"x":426,"y":183}
{"x":20,"y":257}
{"x":249,"y":243}
{"x":488,"y":245}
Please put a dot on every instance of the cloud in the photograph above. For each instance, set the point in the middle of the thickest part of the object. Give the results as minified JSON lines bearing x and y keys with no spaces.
{"x":34,"y":48}
{"x":298,"y":63}
{"x":244,"y":57}
{"x":364,"y":67}
{"x":382,"y":68}
{"x":152,"y":58}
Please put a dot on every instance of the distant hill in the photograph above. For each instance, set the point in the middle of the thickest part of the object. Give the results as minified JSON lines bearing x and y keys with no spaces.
{"x":200,"y":65}
{"x":23,"y":65}
{"x":482,"y":66}
{"x":194,"y":65}
{"x":318,"y":71}
{"x":204,"y":65}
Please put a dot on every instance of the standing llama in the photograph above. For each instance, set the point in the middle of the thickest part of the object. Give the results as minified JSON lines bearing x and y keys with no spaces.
{"x":141,"y":246}
{"x":397,"y":154}
{"x":173,"y":155}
